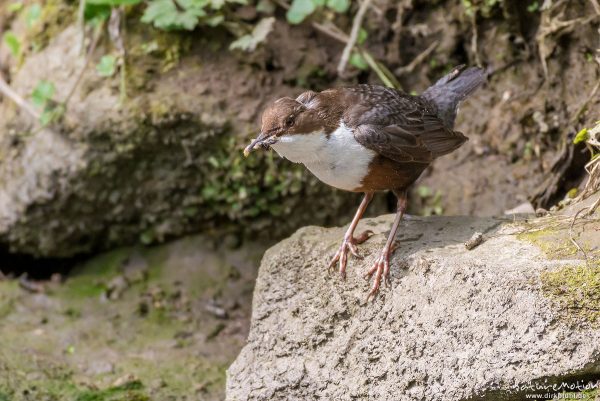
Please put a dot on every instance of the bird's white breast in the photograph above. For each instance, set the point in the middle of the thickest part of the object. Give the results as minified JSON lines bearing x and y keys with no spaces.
{"x":339,"y":161}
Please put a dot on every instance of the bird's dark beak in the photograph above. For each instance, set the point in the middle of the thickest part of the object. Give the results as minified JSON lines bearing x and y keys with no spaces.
{"x":264,"y":140}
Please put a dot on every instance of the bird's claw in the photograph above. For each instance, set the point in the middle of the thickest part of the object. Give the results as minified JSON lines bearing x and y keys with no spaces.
{"x":380,"y":270}
{"x":348,"y":245}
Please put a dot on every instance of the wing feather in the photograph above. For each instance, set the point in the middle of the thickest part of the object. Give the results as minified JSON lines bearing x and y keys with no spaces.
{"x":400,"y":127}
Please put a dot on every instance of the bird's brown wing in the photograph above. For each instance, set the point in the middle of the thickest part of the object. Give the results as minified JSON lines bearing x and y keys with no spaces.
{"x":398,"y":126}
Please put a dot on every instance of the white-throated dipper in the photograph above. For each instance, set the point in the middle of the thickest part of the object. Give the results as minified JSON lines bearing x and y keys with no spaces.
{"x":369,"y":138}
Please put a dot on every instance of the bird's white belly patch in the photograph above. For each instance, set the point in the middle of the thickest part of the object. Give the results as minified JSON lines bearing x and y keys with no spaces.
{"x":339,"y":161}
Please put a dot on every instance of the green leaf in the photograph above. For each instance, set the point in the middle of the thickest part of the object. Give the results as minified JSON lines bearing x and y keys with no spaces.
{"x":51,"y":114}
{"x":299,"y":10}
{"x":150,"y":47}
{"x":319,"y":3}
{"x":258,"y":35}
{"x":217,"y":4}
{"x":424,"y":191}
{"x":42,"y":93}
{"x":215,"y":20}
{"x":13,"y":43}
{"x":163,"y":14}
{"x":533,"y":7}
{"x":339,"y":6}
{"x":358,"y":61}
{"x":265,"y":7}
{"x":46,"y":117}
{"x":107,"y":66}
{"x":15,"y":7}
{"x":147,"y":237}
{"x":362,"y":36}
{"x":34,"y":12}
{"x":113,"y":3}
{"x":94,"y":13}
{"x":581,"y":136}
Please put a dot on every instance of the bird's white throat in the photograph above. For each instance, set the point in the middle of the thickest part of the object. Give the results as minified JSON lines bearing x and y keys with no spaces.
{"x":338,"y":160}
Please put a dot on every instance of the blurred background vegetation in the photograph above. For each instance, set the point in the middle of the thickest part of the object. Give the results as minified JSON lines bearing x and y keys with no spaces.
{"x":122,"y":124}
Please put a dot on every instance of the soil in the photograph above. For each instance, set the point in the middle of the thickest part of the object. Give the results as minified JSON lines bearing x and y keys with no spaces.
{"x":158,"y":323}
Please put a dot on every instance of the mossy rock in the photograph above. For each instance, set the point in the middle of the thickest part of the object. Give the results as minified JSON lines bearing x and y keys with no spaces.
{"x":165,"y":162}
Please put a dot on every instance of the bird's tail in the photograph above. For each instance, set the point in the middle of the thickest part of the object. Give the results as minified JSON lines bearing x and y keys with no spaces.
{"x":450,"y":90}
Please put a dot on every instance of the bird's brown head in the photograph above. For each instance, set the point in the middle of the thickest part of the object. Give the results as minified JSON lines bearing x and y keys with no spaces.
{"x":284,"y":117}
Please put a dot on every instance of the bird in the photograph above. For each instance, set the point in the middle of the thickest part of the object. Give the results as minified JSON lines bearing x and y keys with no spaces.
{"x":369,"y":138}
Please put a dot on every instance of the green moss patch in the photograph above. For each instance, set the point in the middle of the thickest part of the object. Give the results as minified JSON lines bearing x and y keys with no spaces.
{"x":576,"y":289}
{"x":55,"y":16}
{"x":554,"y":243}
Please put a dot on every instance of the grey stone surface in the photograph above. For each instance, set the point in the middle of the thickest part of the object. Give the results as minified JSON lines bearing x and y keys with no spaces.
{"x":455,"y":324}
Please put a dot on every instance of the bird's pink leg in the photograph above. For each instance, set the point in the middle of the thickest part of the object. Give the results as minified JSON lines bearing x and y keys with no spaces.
{"x":381,"y":268}
{"x":349,"y":243}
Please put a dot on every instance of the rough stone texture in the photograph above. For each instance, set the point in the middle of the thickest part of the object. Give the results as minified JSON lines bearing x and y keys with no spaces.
{"x":454,"y":325}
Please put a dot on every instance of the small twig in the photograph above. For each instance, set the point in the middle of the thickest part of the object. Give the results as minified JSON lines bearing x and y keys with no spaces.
{"x":356,"y":23}
{"x":88,"y":58}
{"x":407,"y":69}
{"x":573,"y":239}
{"x":596,"y":6}
{"x":331,"y":31}
{"x":81,"y":22}
{"x":7,"y":91}
{"x":378,"y":69}
{"x":475,"y":39}
{"x":116,"y":31}
{"x":397,"y":28}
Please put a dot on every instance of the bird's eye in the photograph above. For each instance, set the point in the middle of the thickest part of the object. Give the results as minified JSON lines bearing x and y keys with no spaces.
{"x":289,"y":121}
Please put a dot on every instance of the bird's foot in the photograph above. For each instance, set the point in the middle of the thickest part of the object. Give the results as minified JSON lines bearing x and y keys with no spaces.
{"x":379,"y":271}
{"x":348,"y":245}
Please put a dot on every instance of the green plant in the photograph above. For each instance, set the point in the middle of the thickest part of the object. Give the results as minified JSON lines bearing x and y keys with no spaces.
{"x":107,"y":66}
{"x":186,"y":14}
{"x":99,"y":10}
{"x":41,"y":97}
{"x":33,"y":15}
{"x":15,"y":7}
{"x":533,"y":7}
{"x":432,"y":202}
{"x":301,"y":9}
{"x":249,"y":41}
{"x":483,"y":7}
{"x":13,"y":43}
{"x":581,"y":136}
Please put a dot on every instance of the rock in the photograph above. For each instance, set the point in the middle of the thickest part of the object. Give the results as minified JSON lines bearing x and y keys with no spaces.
{"x":455,"y":324}
{"x":523,"y":208}
{"x":163,"y":163}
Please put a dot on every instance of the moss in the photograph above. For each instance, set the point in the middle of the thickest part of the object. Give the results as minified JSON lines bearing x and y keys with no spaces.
{"x":590,"y":395}
{"x":576,"y":290}
{"x":152,"y":52}
{"x":8,"y":292}
{"x":552,"y":241}
{"x":55,"y":16}
{"x":64,"y":389}
{"x":131,"y":391}
{"x":87,"y":280}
